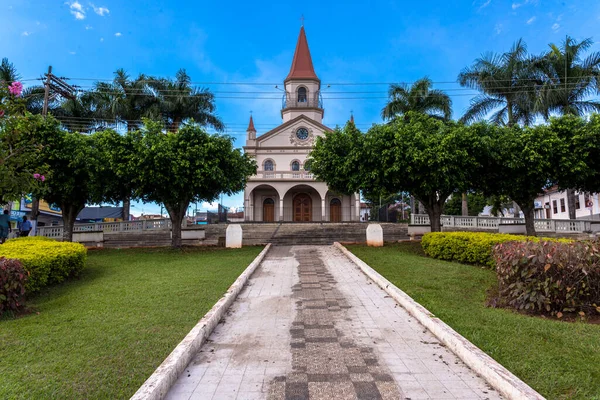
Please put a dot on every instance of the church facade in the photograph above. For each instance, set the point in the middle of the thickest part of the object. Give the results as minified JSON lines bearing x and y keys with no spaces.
{"x":284,"y":189}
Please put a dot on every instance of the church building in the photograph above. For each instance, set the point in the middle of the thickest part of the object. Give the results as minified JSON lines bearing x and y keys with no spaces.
{"x":284,"y":188}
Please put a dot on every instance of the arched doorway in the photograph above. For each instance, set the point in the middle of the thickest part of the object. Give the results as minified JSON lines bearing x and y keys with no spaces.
{"x":302,"y":208}
{"x":269,"y":210}
{"x":335,"y":210}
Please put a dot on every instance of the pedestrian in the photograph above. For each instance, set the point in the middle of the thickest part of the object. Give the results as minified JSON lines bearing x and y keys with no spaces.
{"x":24,"y":227}
{"x":4,"y":226}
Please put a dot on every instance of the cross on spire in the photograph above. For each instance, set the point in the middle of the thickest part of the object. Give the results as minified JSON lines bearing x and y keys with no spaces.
{"x":302,"y":20}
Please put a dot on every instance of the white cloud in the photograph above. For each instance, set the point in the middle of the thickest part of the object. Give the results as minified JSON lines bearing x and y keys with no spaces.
{"x":485,"y":4}
{"x":102,"y":39}
{"x":516,"y":5}
{"x":72,"y":53}
{"x":101,"y":11}
{"x":25,"y":33}
{"x":118,"y":34}
{"x":77,"y":10}
{"x":498,"y":29}
{"x":555,"y":27}
{"x":88,"y":27}
{"x":531,"y":20}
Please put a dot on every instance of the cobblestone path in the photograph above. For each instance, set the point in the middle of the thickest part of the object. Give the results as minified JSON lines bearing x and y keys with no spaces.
{"x":310,"y":325}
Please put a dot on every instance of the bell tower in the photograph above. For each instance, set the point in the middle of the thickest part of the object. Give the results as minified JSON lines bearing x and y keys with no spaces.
{"x":302,"y":86}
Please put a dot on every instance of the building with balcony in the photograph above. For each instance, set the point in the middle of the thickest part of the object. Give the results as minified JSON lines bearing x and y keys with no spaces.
{"x":284,"y":188}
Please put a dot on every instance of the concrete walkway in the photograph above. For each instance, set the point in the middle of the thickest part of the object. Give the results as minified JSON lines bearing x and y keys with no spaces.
{"x":310,"y":325}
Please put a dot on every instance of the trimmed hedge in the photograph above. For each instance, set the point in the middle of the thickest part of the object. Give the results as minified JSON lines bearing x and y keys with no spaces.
{"x":470,"y":247}
{"x":12,"y":285}
{"x":47,"y":261}
{"x":549,"y":277}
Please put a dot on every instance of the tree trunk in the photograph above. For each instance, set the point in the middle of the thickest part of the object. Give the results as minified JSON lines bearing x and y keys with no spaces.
{"x":176,"y":214}
{"x":434,"y":210}
{"x":571,"y":204}
{"x":35,"y":211}
{"x":465,"y":206}
{"x":126,"y":209}
{"x":69,"y":214}
{"x":528,"y":210}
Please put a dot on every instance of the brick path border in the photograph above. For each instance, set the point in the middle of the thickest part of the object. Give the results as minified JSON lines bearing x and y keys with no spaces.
{"x":159,"y":383}
{"x":495,"y":374}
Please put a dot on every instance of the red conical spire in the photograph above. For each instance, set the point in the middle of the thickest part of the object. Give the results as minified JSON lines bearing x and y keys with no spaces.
{"x":251,"y":125}
{"x":302,"y":66}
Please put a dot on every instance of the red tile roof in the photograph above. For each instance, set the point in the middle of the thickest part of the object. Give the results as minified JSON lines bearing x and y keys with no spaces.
{"x":251,"y":126}
{"x":302,"y":66}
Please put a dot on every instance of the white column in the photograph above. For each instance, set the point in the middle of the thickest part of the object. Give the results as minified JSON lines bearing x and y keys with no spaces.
{"x":280,"y":209}
{"x":322,"y":210}
{"x":246,"y":207}
{"x":357,"y":205}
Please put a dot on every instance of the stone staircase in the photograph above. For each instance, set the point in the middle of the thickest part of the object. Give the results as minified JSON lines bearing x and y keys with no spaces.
{"x":284,"y":234}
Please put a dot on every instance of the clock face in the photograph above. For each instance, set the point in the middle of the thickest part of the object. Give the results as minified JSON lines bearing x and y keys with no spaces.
{"x":302,"y":134}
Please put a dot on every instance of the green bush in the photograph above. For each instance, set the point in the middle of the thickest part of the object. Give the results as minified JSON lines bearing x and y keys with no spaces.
{"x":12,"y":285}
{"x":47,"y":261}
{"x":469,"y":247}
{"x":548,"y":277}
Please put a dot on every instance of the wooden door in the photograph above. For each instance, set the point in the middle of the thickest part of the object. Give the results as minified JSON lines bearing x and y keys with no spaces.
{"x":268,"y":210}
{"x":302,"y":208}
{"x":335,"y":210}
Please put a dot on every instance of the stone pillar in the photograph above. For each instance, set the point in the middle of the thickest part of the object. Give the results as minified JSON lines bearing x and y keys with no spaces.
{"x":322,"y":210}
{"x":246,"y":207}
{"x":280,"y":209}
{"x":233,"y":236}
{"x":374,"y":235}
{"x":357,"y":205}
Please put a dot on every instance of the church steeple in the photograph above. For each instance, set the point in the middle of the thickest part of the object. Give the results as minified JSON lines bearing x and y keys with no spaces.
{"x":302,"y":66}
{"x":250,"y":132}
{"x":302,"y":86}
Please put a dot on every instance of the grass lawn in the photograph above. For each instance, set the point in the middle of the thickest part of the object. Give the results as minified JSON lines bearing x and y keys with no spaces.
{"x":101,"y":336}
{"x":560,"y":360}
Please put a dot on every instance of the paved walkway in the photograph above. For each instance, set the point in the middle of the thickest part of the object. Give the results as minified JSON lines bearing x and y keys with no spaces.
{"x":310,"y":325}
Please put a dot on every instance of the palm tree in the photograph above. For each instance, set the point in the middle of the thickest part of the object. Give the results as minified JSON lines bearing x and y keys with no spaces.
{"x":419,"y":97}
{"x":180,"y":102}
{"x":124,"y":100}
{"x":79,"y":114}
{"x":569,"y":81}
{"x":507,"y":83}
{"x":8,"y":72}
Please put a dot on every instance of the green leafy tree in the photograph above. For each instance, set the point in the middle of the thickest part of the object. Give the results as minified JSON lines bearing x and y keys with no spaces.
{"x":78,"y":174}
{"x":569,"y":81}
{"x":425,"y":156}
{"x":176,"y":169}
{"x":519,"y":163}
{"x":419,"y":97}
{"x":179,"y":102}
{"x":507,"y":83}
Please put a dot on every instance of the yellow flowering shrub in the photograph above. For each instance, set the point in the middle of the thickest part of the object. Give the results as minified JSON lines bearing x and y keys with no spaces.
{"x":471,"y":247}
{"x":47,"y":261}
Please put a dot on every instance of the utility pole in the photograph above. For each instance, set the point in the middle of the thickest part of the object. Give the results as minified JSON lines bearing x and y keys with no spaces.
{"x":59,"y":88}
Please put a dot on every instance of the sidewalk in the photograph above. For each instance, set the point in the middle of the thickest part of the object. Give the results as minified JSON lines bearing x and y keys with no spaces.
{"x":310,"y":325}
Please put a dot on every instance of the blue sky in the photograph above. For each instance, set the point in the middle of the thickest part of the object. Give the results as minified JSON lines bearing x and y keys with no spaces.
{"x":249,"y":46}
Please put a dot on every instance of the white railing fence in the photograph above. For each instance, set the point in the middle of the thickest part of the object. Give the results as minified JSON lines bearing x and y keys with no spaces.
{"x":492,"y":223}
{"x":108,"y":227}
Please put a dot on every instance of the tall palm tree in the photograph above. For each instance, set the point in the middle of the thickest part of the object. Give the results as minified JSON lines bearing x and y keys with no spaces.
{"x":124,"y":99}
{"x":569,"y":81}
{"x":180,"y":102}
{"x":507,"y":83}
{"x":419,"y":97}
{"x":79,"y":114}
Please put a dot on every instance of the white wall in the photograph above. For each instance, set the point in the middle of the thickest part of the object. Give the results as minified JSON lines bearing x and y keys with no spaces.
{"x":582,"y":212}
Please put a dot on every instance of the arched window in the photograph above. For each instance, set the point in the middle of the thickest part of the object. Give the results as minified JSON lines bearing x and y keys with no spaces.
{"x":307,"y":165}
{"x":335,"y":202}
{"x":268,"y":165}
{"x":295,"y":166}
{"x":269,"y":201}
{"x":302,"y":95}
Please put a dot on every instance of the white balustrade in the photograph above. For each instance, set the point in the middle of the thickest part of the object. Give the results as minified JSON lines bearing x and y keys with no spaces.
{"x":108,"y":227}
{"x":541,"y":225}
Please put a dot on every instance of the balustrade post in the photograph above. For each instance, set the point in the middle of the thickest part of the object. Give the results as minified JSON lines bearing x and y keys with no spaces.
{"x":553,"y":226}
{"x":452,"y":221}
{"x":412,"y":219}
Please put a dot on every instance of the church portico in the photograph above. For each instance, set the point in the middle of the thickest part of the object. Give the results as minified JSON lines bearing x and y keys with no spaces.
{"x":284,"y":189}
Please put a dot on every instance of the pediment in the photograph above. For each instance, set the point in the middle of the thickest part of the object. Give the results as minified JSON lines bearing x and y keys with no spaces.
{"x":285,"y":134}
